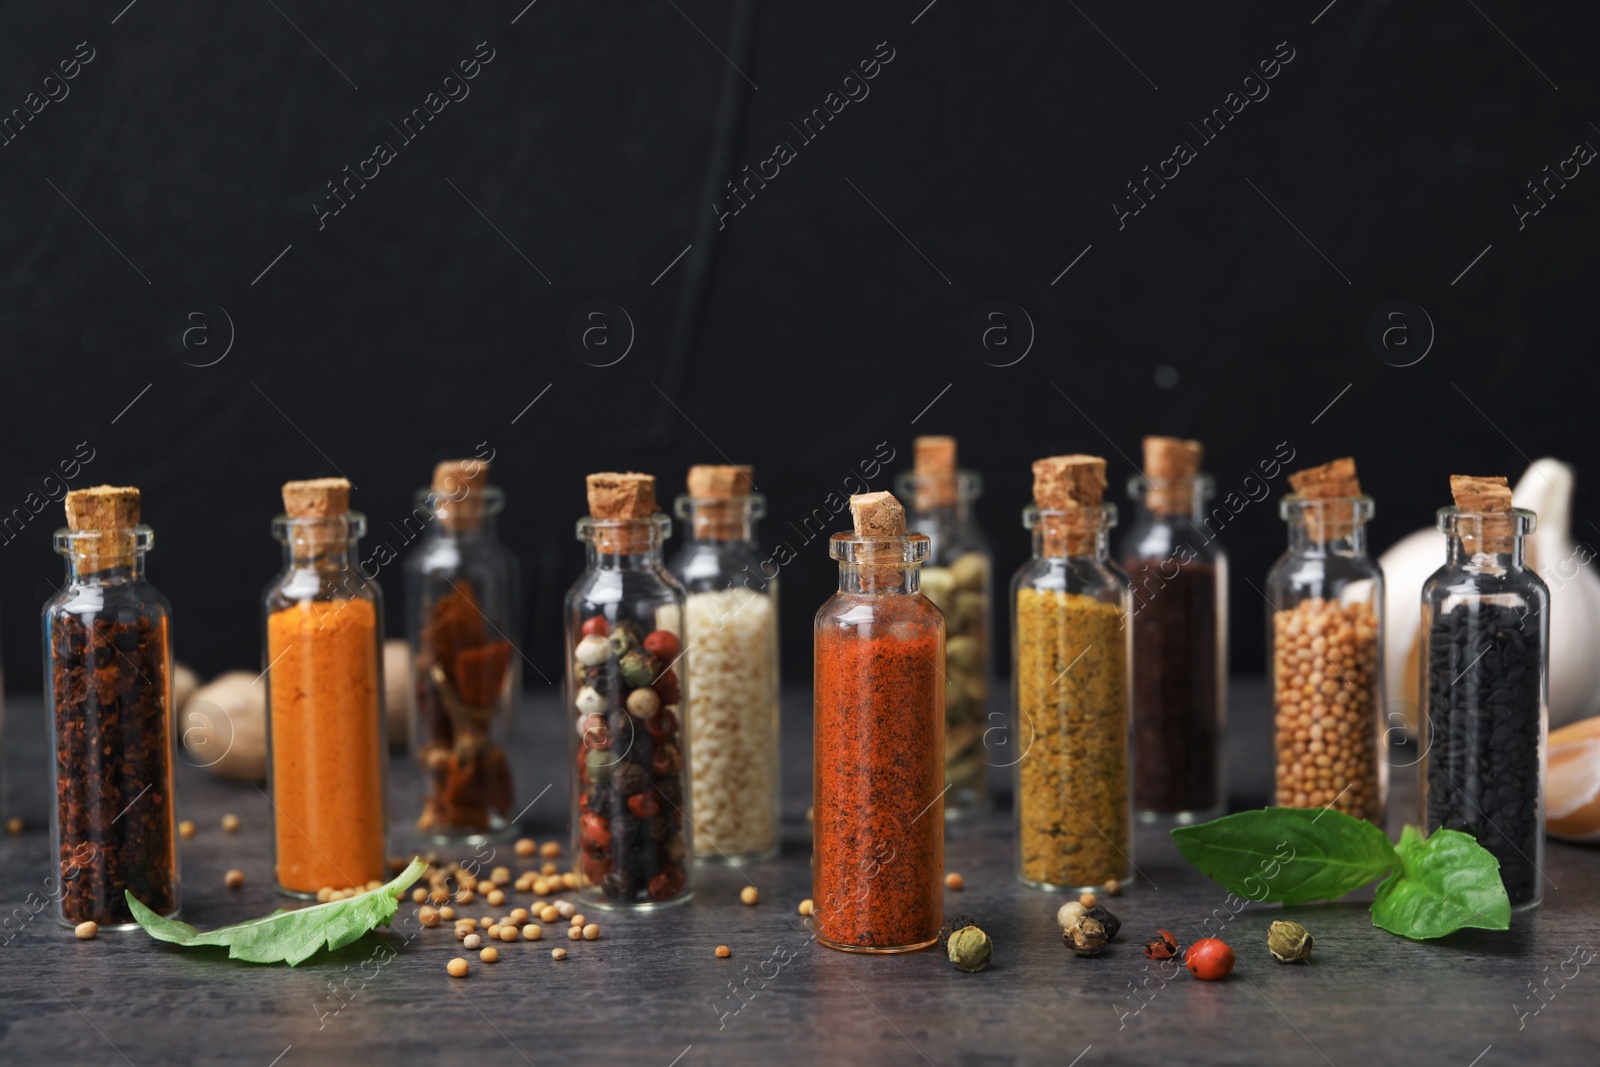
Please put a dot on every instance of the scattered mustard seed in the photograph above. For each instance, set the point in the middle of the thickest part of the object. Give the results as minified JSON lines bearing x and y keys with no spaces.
{"x":591,"y":932}
{"x":549,"y":913}
{"x":749,"y":894}
{"x":558,"y":953}
{"x":428,"y":916}
{"x":574,"y":933}
{"x":447,"y":913}
{"x":1112,"y":887}
{"x":954,"y":881}
{"x":550,"y":849}
{"x":234,"y":878}
{"x":457,"y":967}
{"x":489,"y":955}
{"x":532,"y":932}
{"x":1087,"y":900}
{"x":230,"y":823}
{"x":86,"y":931}
{"x":508,"y":933}
{"x":418,"y":895}
{"x":723,"y":952}
{"x":526,"y":847}
{"x":496,"y":898}
{"x":807,"y":906}
{"x":185,"y":828}
{"x":471,"y":941}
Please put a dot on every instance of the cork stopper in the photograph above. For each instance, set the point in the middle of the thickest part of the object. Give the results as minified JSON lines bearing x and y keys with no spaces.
{"x":112,"y":511}
{"x":458,"y":486}
{"x":1068,"y":489}
{"x":1336,"y":483}
{"x":935,"y":471}
{"x":1170,"y":465}
{"x":615,"y":498}
{"x":718,"y":497}
{"x":317,"y":508}
{"x":877,"y":515}
{"x":318,"y":498}
{"x":1490,"y":499}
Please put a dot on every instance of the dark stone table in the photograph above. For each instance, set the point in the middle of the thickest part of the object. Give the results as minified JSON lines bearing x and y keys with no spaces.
{"x":649,"y":992}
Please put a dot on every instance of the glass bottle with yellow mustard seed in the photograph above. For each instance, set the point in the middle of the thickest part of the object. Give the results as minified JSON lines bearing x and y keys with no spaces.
{"x":877,"y":863}
{"x":731,"y":622}
{"x":1070,"y":686}
{"x":322,"y":657}
{"x":108,"y":679}
{"x":1325,"y":644}
{"x":631,"y":828}
{"x":461,"y":618}
{"x":957,"y":579}
{"x":1179,"y":619}
{"x":1485,"y":685}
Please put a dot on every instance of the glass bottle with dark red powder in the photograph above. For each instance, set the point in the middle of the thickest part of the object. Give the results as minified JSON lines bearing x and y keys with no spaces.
{"x":108,"y":670}
{"x":878,"y":855}
{"x":626,"y":688}
{"x":1179,"y":620}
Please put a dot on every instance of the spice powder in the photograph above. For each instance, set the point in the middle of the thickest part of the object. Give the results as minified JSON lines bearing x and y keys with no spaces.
{"x":327,"y":770}
{"x":879,"y":818}
{"x":1072,"y":695}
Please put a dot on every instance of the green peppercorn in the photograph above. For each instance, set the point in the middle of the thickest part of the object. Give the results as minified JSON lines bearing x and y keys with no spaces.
{"x":970,"y":948}
{"x":639,"y":668}
{"x":1288,"y":942}
{"x":622,"y":642}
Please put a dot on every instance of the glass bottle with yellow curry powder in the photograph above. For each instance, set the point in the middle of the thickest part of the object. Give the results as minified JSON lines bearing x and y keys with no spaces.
{"x":1070,"y":686}
{"x":325,"y":725}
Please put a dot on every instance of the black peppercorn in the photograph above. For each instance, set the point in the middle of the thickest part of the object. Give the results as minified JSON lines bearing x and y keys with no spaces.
{"x":629,"y":778}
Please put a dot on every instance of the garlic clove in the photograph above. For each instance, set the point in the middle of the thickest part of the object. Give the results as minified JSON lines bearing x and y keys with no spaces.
{"x":1572,"y":784}
{"x":1546,"y":490}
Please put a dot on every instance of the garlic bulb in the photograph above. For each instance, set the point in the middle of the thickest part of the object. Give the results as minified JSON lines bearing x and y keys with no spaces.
{"x":1572,"y":787}
{"x":224,"y":727}
{"x":1545,"y":489}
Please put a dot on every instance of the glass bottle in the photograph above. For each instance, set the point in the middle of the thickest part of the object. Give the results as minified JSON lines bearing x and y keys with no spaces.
{"x":625,"y":687}
{"x":461,"y":618}
{"x":322,"y":657}
{"x":878,"y":851}
{"x":1070,"y":693}
{"x":108,"y":672}
{"x":1325,"y":644}
{"x":731,"y":622}
{"x":957,"y":578}
{"x":1179,"y":619}
{"x":1485,"y":650}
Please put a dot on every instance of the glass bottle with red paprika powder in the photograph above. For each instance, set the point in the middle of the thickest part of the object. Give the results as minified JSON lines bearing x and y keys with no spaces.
{"x":461,"y":615}
{"x":878,"y":853}
{"x":108,"y":669}
{"x":625,"y":690}
{"x":1070,"y":602}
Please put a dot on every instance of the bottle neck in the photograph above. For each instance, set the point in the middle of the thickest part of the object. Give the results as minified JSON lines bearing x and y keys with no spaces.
{"x":1467,"y":553}
{"x":1051,"y":543}
{"x":720,"y":521}
{"x":879,"y":579}
{"x":637,"y":558}
{"x":483,"y":528}
{"x":1171,"y":500}
{"x":93,"y":572}
{"x":1350,"y":541}
{"x":332,"y":555}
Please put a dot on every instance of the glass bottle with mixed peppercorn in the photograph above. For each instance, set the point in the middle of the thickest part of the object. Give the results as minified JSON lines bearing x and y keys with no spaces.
{"x":108,"y":666}
{"x":625,"y":691}
{"x":461,"y":613}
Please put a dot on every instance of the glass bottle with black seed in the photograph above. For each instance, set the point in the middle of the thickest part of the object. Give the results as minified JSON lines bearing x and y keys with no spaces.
{"x":1485,"y":691}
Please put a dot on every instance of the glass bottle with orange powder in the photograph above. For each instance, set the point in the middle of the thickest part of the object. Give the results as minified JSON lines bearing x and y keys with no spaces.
{"x":325,"y":724}
{"x":878,"y":856}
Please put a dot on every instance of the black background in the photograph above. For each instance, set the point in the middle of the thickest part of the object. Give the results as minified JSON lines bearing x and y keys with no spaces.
{"x":820,"y":321}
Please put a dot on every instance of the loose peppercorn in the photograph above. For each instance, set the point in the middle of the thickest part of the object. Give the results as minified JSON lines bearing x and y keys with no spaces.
{"x":597,"y":626}
{"x":1209,"y":959}
{"x":1161,"y":947}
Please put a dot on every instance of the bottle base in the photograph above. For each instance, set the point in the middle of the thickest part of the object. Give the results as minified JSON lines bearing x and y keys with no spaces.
{"x":1179,"y":818}
{"x":592,"y":898}
{"x":874,"y":950}
{"x":447,"y":837}
{"x":1077,"y":890}
{"x":738,"y":859}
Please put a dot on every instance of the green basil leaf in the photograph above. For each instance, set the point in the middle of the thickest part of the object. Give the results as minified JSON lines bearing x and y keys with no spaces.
{"x":1287,"y":855}
{"x":1441,"y":885}
{"x":290,"y":937}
